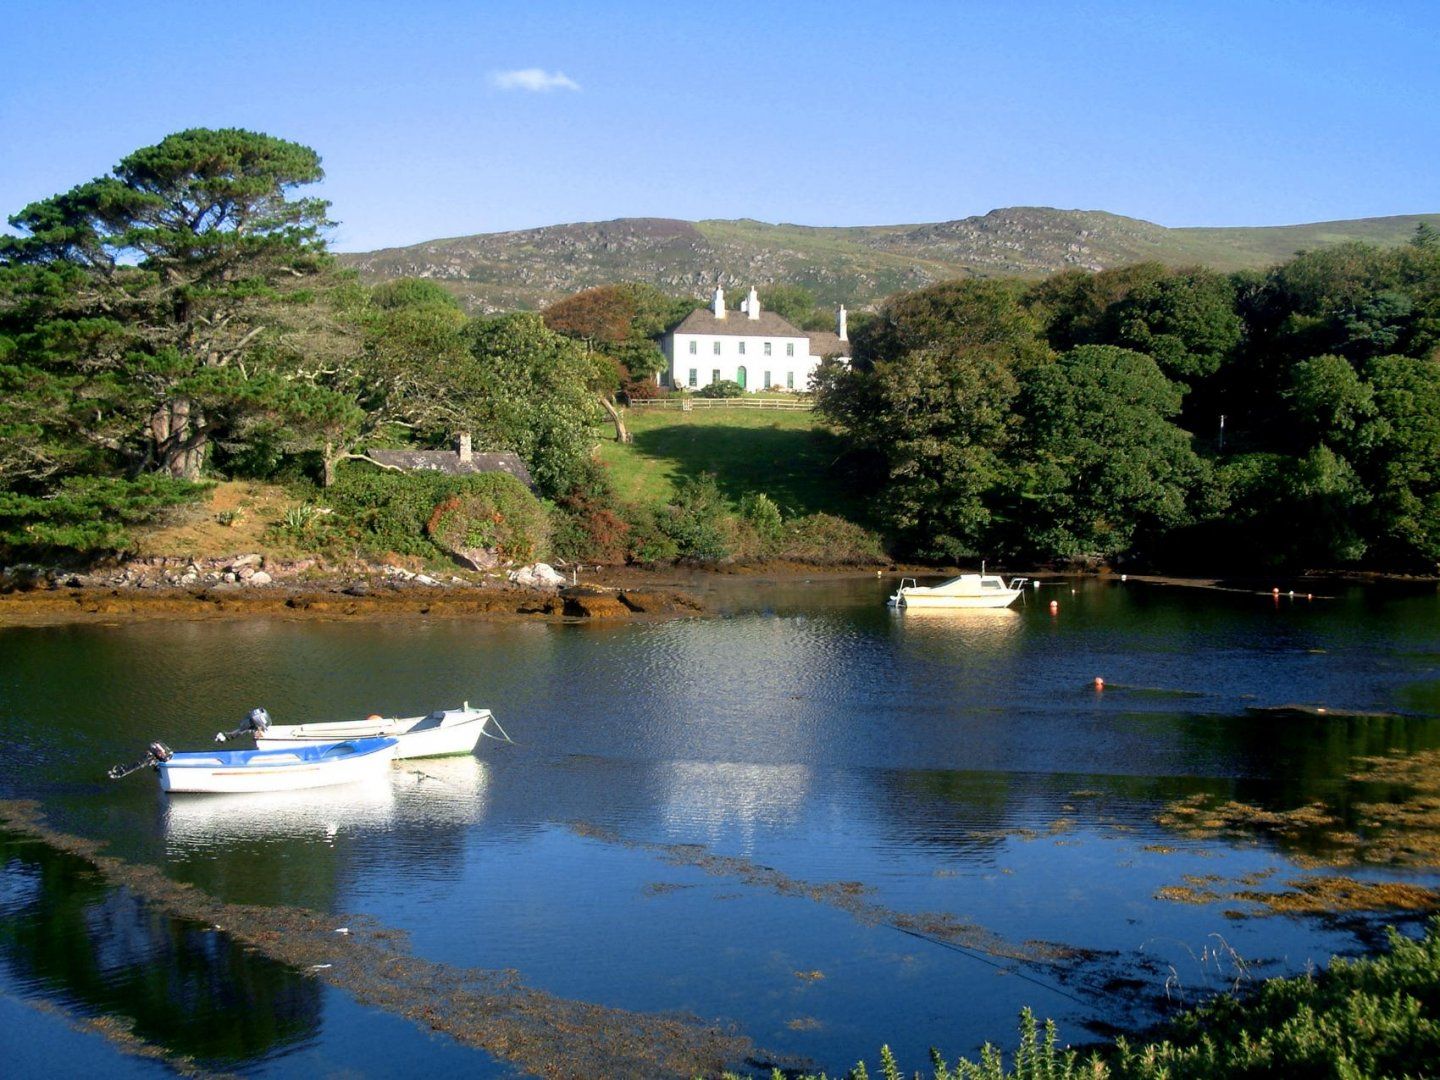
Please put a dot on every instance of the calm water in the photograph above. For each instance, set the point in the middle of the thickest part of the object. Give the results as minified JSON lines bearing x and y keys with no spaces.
{"x":956,"y":766}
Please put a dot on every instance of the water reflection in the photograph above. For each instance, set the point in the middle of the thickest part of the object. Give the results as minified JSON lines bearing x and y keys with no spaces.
{"x":216,"y":821}
{"x":442,"y":791}
{"x":65,"y":932}
{"x":721,"y":800}
{"x":429,"y":792}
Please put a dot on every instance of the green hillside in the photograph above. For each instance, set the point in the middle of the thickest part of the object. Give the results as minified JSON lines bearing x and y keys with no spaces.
{"x":853,"y":265}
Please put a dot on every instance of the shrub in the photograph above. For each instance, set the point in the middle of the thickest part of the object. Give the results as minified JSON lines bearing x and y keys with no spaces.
{"x":649,"y":542}
{"x":382,"y":511}
{"x":88,"y":515}
{"x":642,"y":390}
{"x":761,"y":514}
{"x":829,"y":541}
{"x":494,"y":513}
{"x":697,"y":520}
{"x":725,"y":388}
{"x":586,"y":525}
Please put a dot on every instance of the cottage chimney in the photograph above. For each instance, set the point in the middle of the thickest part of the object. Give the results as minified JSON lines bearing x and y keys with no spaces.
{"x":752,"y":304}
{"x":718,"y":304}
{"x":462,"y":444}
{"x":840,"y":330}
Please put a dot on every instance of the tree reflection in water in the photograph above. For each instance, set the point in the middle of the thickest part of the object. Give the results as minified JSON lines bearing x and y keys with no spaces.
{"x":67,"y":935}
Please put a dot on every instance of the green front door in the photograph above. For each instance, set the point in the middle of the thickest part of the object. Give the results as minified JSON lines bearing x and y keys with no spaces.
{"x":740,"y":377}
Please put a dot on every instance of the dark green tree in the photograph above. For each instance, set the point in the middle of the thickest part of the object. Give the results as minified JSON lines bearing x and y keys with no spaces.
{"x":1329,"y":401}
{"x":526,"y":389}
{"x":955,"y":315}
{"x":1072,"y":306}
{"x":153,"y":295}
{"x":1402,"y":459}
{"x":1098,"y":464}
{"x":1185,"y":320}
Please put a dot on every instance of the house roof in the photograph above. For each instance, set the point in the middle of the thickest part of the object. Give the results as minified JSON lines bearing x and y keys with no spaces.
{"x":448,"y":461}
{"x":824,"y":343}
{"x":737,"y":324}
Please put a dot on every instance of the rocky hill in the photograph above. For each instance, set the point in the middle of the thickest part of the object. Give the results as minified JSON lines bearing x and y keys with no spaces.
{"x":858,"y":265}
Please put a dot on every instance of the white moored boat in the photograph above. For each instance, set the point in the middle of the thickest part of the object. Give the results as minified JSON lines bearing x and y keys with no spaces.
{"x":233,"y":771}
{"x":437,"y":734}
{"x":965,"y":591}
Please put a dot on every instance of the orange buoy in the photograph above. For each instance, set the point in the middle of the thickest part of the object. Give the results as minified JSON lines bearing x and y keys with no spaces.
{"x":1054,"y":606}
{"x":1274,"y":592}
{"x":374,"y":716}
{"x":1099,"y":683}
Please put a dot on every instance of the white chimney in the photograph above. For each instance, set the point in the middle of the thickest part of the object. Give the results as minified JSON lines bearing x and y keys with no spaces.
{"x":718,"y":304}
{"x":463,"y":446}
{"x":752,"y":304}
{"x":840,"y":324}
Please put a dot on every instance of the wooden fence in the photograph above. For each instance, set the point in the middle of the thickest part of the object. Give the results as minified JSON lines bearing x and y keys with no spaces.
{"x":689,"y":403}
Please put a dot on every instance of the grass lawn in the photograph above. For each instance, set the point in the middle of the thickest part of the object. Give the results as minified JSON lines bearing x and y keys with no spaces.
{"x":788,"y":456}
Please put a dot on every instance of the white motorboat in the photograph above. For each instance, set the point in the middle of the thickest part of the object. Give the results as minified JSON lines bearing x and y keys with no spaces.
{"x":966,"y":591}
{"x":233,"y":771}
{"x":437,"y":734}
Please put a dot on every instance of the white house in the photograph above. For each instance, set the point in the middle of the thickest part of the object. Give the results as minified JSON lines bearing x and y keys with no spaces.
{"x":757,"y":349}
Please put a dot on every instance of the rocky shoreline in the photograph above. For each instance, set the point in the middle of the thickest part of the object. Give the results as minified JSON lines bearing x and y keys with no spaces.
{"x":247,"y":586}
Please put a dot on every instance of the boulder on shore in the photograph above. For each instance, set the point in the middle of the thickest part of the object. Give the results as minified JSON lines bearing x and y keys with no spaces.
{"x":537,"y":576}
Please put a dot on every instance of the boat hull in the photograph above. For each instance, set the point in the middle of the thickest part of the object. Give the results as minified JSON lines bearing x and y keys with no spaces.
{"x":917,"y":598}
{"x":451,"y":732}
{"x":251,"y":771}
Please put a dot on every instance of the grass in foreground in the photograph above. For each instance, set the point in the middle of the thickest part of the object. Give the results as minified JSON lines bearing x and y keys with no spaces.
{"x":788,"y":456}
{"x":1373,"y":1017}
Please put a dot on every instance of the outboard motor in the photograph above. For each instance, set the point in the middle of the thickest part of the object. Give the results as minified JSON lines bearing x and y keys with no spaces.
{"x":155,"y":753}
{"x":256,"y":720}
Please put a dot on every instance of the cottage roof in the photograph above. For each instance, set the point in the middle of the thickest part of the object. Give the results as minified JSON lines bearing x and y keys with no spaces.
{"x":448,"y":461}
{"x":825,"y":343}
{"x":737,"y":324}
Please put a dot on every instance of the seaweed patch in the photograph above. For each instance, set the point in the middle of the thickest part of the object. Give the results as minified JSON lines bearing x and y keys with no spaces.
{"x":851,"y":897}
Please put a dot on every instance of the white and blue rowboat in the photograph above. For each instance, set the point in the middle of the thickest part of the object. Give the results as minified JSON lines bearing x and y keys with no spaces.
{"x":437,"y":734}
{"x":234,"y":771}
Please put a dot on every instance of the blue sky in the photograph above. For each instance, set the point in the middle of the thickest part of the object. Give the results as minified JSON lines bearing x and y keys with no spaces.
{"x":833,"y":113}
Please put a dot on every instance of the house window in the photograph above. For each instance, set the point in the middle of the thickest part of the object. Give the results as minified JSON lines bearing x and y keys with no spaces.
{"x":717,"y":348}
{"x":768,"y":383}
{"x":789,"y":348}
{"x":767,"y":348}
{"x":692,"y":348}
{"x":789,"y":380}
{"x":693,"y":374}
{"x":742,"y":348}
{"x":715,"y":375}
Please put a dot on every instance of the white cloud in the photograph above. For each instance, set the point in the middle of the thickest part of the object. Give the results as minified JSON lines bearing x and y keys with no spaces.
{"x":536,"y":80}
